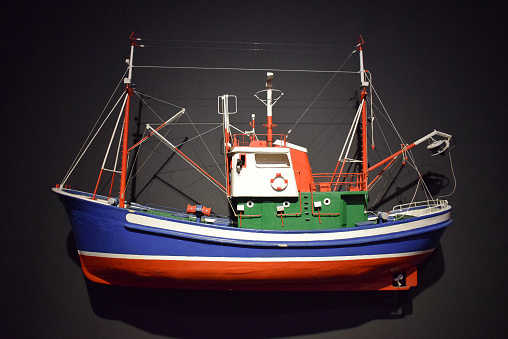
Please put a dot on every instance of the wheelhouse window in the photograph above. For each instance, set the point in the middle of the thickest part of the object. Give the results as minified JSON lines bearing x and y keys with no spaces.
{"x":272,"y":160}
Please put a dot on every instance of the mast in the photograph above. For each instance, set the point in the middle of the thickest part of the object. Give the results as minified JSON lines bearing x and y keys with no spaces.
{"x":223,"y":103}
{"x":269,"y":126}
{"x":362,"y":185}
{"x":269,"y":102}
{"x":137,"y":138}
{"x":125,"y":139}
{"x":227,"y":133}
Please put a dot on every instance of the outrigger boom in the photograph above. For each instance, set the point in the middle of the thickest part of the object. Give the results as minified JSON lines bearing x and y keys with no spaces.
{"x":416,"y":143}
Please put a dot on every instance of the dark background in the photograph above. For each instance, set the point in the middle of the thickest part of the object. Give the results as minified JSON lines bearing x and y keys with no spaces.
{"x":436,"y":64}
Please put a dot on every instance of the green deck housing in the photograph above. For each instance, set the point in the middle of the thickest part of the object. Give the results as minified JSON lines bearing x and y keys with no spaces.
{"x":338,"y":210}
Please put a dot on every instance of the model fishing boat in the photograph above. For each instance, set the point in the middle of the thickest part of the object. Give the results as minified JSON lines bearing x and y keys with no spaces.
{"x":289,"y":229}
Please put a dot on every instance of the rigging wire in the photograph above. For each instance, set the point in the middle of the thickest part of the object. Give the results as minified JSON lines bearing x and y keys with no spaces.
{"x":248,"y":69}
{"x":389,"y":118}
{"x":206,"y":146}
{"x":369,"y":79}
{"x":87,"y":141}
{"x":197,"y":136}
{"x":81,"y":154}
{"x":157,"y":99}
{"x":421,"y":182}
{"x":135,"y":160}
{"x":247,"y":46}
{"x":408,"y":154}
{"x":381,"y":130}
{"x":454,"y":179}
{"x":187,"y":159}
{"x":147,"y":158}
{"x":157,"y":146}
{"x":141,"y":95}
{"x":160,"y":142}
{"x":247,"y":49}
{"x":246,"y":43}
{"x":147,"y":105}
{"x":149,"y":155}
{"x":320,"y":92}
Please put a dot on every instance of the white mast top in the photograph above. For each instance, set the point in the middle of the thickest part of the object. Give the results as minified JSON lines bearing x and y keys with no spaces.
{"x":130,"y":61}
{"x":269,"y":78}
{"x":362,"y":69}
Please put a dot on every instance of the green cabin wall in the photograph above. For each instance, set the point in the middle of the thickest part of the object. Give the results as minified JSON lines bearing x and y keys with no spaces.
{"x":350,"y":206}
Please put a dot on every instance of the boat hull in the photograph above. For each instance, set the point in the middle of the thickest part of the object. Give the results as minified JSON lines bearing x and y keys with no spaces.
{"x":126,"y":247}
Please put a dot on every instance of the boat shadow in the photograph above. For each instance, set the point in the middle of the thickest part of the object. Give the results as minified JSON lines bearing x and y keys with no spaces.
{"x":225,"y":314}
{"x":435,"y":182}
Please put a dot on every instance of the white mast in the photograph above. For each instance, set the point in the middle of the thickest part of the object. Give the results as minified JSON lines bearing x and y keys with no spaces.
{"x":269,"y":78}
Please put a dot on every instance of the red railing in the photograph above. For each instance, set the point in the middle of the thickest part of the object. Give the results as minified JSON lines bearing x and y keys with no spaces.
{"x":258,"y":140}
{"x":326,"y":182}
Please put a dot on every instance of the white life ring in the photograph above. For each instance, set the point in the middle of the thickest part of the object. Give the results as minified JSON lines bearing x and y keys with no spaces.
{"x":279,"y":183}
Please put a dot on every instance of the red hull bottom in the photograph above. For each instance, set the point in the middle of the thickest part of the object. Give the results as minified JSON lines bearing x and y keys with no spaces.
{"x":343,"y":275}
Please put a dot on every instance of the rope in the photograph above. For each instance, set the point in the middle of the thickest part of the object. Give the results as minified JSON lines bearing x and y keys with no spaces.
{"x":454,"y":179}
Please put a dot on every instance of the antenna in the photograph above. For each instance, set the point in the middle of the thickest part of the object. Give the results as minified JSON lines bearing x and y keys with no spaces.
{"x":269,"y":102}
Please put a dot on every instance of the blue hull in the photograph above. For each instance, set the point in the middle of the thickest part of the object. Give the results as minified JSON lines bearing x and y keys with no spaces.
{"x":115,"y":243}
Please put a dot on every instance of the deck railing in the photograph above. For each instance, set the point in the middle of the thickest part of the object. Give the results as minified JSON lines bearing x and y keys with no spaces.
{"x":257,"y":140}
{"x":326,"y":182}
{"x":419,"y":208}
{"x":420,"y":204}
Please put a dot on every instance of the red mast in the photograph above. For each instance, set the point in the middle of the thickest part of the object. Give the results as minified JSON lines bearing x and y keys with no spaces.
{"x":125,"y":152}
{"x":362,"y":185}
{"x":125,"y":140}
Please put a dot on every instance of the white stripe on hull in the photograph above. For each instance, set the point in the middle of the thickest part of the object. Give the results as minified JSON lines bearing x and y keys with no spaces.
{"x":283,"y":237}
{"x":254,"y":259}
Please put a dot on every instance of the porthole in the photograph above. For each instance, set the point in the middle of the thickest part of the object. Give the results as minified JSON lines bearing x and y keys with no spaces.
{"x":327,"y":201}
{"x":286,"y":204}
{"x":250,"y":204}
